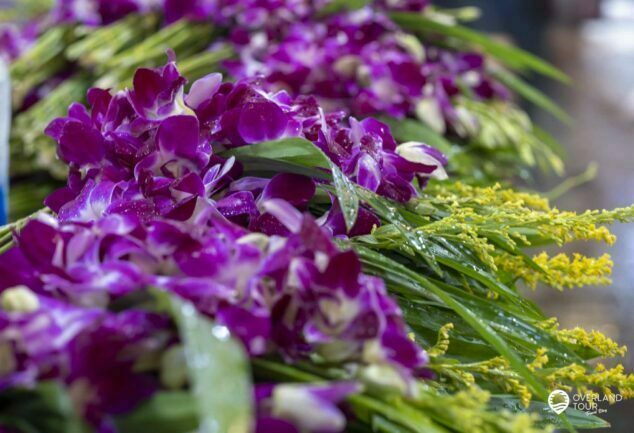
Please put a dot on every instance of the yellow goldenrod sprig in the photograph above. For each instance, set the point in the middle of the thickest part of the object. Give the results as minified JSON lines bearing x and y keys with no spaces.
{"x":442,"y":343}
{"x":490,"y":196}
{"x":560,"y":271}
{"x":496,"y":370}
{"x":605,"y":379}
{"x":467,"y":411}
{"x":603,"y":345}
{"x":541,"y":359}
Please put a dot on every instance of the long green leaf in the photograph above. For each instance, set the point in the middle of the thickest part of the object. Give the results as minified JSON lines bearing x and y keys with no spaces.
{"x":533,"y":95}
{"x":426,"y":313}
{"x":509,"y":55}
{"x":419,"y":282}
{"x":100,"y":45}
{"x":342,"y":5}
{"x":347,"y":195}
{"x":293,"y":150}
{"x":391,"y":212}
{"x":218,"y":368}
{"x":515,"y":326}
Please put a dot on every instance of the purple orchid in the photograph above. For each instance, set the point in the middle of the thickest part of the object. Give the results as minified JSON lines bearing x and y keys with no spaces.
{"x":362,"y":62}
{"x":306,"y":408}
{"x":278,"y":295}
{"x":94,"y":352}
{"x":150,"y":203}
{"x":15,"y":40}
{"x":158,"y":93}
{"x":151,"y":150}
{"x":104,"y":371}
{"x":421,"y":153}
{"x":35,"y":335}
{"x":227,"y":272}
{"x":98,"y":12}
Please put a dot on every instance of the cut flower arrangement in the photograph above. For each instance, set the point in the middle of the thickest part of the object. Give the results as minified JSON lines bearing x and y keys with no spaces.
{"x":407,"y":62}
{"x":209,"y":239}
{"x":238,"y":256}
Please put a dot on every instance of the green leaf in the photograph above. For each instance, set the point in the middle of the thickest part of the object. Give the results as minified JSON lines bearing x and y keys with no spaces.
{"x":219,"y":372}
{"x":347,"y":195}
{"x":293,"y":150}
{"x":426,"y":313}
{"x":45,"y":409}
{"x":514,"y":325}
{"x":391,"y":212}
{"x":342,"y":5}
{"x":464,"y":265}
{"x":418,"y":282}
{"x":264,"y":167}
{"x":436,"y":250}
{"x":509,"y":55}
{"x":532,"y":94}
{"x":42,"y":61}
{"x":184,"y":37}
{"x":549,"y":141}
{"x":201,"y":64}
{"x":166,"y":412}
{"x":302,"y":153}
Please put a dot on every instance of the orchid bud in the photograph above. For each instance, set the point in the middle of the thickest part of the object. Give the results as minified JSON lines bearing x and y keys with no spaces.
{"x":424,"y":154}
{"x":19,"y":299}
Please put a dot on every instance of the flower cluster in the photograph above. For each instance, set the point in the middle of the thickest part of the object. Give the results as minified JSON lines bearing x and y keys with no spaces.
{"x":359,"y":61}
{"x":278,"y":295}
{"x":153,"y":150}
{"x":150,"y":203}
{"x":271,"y":291}
{"x":15,"y":40}
{"x":94,"y":352}
{"x":265,"y":14}
{"x":98,"y":12}
{"x":362,"y":62}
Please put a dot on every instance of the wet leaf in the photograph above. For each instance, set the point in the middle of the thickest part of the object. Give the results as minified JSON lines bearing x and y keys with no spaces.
{"x":302,"y":153}
{"x":219,"y":371}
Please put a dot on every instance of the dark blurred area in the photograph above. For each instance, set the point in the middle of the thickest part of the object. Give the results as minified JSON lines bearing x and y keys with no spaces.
{"x":593,"y":42}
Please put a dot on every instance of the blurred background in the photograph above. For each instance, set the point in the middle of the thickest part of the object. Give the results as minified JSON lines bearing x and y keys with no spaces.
{"x":593,"y":42}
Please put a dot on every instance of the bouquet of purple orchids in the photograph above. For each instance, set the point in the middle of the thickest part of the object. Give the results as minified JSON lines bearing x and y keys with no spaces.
{"x":297,"y":249}
{"x":406,"y":62}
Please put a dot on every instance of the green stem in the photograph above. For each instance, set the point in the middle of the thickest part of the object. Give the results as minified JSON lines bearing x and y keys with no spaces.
{"x":202,"y":64}
{"x":100,"y":46}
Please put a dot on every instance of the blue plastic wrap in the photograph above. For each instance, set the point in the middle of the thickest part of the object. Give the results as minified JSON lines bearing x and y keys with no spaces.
{"x":5,"y":124}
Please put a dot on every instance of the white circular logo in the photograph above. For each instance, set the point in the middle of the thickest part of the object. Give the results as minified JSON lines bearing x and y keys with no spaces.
{"x":558,"y":401}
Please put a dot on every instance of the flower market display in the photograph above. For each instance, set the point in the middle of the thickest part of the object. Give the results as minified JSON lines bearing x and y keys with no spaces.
{"x":267,"y":251}
{"x":403,"y":61}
